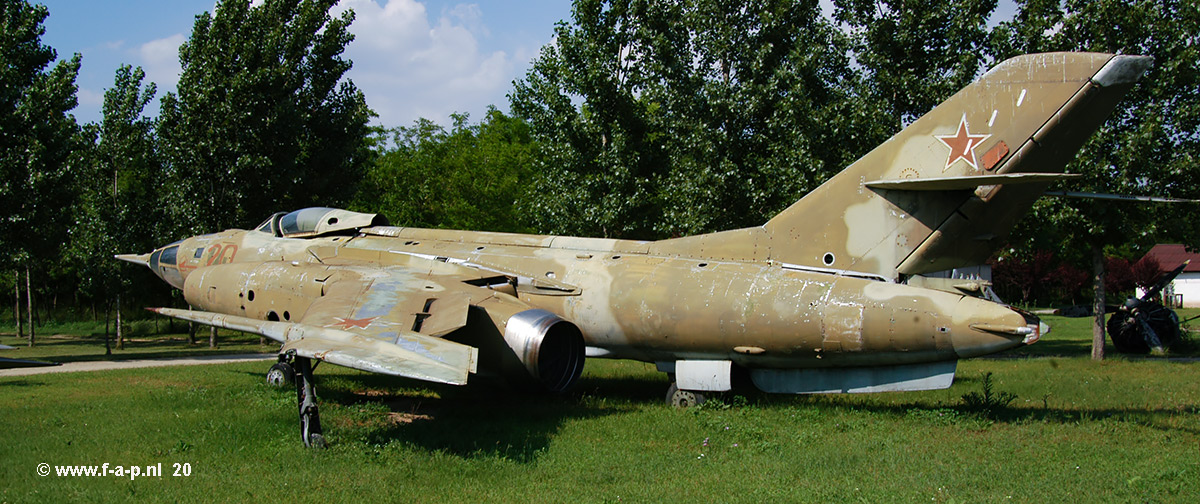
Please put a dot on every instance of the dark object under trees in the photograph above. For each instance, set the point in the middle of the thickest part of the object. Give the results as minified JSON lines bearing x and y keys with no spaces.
{"x":1142,"y":324}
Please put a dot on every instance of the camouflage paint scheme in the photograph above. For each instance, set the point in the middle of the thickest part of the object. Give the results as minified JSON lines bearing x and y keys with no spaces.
{"x":836,"y":281}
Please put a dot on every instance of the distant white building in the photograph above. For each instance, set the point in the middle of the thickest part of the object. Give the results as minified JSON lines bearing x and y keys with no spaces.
{"x":1185,"y":289}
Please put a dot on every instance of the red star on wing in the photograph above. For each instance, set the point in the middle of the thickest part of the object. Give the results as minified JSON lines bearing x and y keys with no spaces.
{"x":346,"y":323}
{"x":962,"y":144}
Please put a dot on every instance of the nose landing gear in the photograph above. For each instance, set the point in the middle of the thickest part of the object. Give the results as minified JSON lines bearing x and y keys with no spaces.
{"x":281,"y":374}
{"x":310,"y":419}
{"x":292,"y":369}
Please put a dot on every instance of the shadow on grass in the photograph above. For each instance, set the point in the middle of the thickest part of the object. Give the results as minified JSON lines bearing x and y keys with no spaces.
{"x":1049,"y":348}
{"x":481,"y":420}
{"x":1154,"y":418}
{"x":19,"y":383}
{"x":488,"y":420}
{"x":164,"y":354}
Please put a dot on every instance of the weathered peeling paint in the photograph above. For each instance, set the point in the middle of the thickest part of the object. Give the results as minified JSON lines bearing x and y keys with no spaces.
{"x":818,"y":286}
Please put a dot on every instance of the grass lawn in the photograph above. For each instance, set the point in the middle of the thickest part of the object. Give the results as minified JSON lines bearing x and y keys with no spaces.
{"x":84,"y":341}
{"x":1116,"y":431}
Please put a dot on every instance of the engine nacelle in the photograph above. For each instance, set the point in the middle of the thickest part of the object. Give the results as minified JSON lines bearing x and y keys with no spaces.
{"x":526,"y":344}
{"x":551,"y":348}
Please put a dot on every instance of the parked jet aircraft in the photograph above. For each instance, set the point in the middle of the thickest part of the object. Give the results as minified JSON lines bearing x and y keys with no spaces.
{"x":834,"y":294}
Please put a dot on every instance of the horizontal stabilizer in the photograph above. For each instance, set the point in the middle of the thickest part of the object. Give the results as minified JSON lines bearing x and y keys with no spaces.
{"x":968,"y":182}
{"x":412,"y":355}
{"x":1118,"y":197}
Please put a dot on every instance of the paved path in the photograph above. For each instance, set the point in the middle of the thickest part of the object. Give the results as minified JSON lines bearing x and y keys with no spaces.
{"x":74,"y":367}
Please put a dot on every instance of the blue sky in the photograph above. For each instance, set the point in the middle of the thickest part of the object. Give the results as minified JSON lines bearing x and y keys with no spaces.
{"x":411,"y":58}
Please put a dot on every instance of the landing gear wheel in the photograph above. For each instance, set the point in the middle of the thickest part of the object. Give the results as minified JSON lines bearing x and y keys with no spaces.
{"x":281,"y":375}
{"x":683,"y":398}
{"x":310,"y":418}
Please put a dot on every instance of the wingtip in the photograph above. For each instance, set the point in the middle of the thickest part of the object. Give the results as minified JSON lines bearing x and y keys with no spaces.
{"x":1123,"y":69}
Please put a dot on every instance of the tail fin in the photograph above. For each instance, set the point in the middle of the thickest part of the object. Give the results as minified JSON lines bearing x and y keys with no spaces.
{"x":946,"y":191}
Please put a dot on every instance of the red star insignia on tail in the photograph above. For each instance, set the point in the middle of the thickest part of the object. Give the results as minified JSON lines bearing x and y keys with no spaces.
{"x":962,"y":144}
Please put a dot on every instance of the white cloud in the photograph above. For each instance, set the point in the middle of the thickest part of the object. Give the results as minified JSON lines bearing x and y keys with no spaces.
{"x":410,"y":66}
{"x":90,"y":98}
{"x":160,"y":59}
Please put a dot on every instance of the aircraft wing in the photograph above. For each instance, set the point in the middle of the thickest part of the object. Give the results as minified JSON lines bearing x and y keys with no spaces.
{"x":410,"y":355}
{"x":379,"y":319}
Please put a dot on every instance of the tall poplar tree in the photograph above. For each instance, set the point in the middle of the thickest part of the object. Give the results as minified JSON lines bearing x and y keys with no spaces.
{"x":655,"y":120}
{"x":118,"y":209}
{"x":37,"y":140}
{"x":263,"y":119}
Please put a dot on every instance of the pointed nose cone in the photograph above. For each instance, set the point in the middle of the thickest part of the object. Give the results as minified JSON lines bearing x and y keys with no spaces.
{"x":983,"y":327}
{"x":143,"y":259}
{"x":162,"y":262}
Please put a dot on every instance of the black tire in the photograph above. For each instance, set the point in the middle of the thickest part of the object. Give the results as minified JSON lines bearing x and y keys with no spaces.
{"x":683,"y":398}
{"x":317,"y":441}
{"x":281,"y":375}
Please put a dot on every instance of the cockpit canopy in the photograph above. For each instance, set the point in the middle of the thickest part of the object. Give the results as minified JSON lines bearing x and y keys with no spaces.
{"x":317,"y":221}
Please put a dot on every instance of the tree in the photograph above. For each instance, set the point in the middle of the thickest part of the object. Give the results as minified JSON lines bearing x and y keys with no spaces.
{"x":470,"y":177}
{"x":1149,"y":146}
{"x":263,"y":119}
{"x":917,"y":54}
{"x":37,"y":140}
{"x":660,"y":120}
{"x":1028,"y":276}
{"x":119,"y":209}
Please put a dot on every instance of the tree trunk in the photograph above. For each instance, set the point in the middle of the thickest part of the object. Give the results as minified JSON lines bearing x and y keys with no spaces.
{"x":191,"y":330}
{"x":17,"y":306}
{"x":212,"y":337}
{"x":120,"y":333}
{"x":1098,"y":303}
{"x":107,"y":348}
{"x":29,"y":303}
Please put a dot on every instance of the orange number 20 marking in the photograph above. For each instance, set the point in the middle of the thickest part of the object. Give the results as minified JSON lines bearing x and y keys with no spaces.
{"x":221,"y":254}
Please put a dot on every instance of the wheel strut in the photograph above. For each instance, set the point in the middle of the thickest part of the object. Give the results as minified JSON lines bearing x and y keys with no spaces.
{"x":306,"y":399}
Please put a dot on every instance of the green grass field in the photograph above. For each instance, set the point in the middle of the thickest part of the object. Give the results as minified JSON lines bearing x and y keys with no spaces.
{"x":1117,"y":431}
{"x":84,"y":341}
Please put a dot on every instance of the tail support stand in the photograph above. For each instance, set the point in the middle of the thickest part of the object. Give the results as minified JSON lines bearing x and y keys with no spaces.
{"x":310,"y":419}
